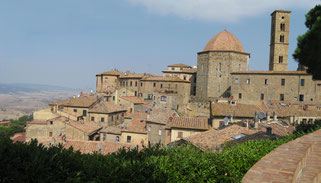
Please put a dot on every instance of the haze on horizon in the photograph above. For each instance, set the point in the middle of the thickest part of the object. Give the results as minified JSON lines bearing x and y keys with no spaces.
{"x":66,"y":43}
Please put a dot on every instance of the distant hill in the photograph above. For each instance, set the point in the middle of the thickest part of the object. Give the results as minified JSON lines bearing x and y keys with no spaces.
{"x":25,"y":87}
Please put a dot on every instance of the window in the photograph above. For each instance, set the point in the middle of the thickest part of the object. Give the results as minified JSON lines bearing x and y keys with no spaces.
{"x":181,"y":68}
{"x":219,"y":88}
{"x":280,"y":59}
{"x":149,"y":128}
{"x":161,"y":85}
{"x":154,"y":84}
{"x":106,"y":80}
{"x":164,"y":98}
{"x":50,"y":134}
{"x":126,"y":83}
{"x":135,"y":93}
{"x":301,"y":98}
{"x":282,"y":82}
{"x":75,"y":110}
{"x":282,"y":17}
{"x":266,"y":81}
{"x":195,"y":80}
{"x":248,"y":81}
{"x":117,"y":138}
{"x":84,"y":112}
{"x":114,"y":98}
{"x":240,"y":95}
{"x":160,"y":132}
{"x":51,"y":122}
{"x":282,"y":26}
{"x":129,"y":139}
{"x":136,"y":83}
{"x":102,"y":119}
{"x":281,"y":97}
{"x":173,"y":68}
{"x":302,"y":82}
{"x":180,"y":135}
{"x":141,"y":84}
{"x":140,"y":95}
{"x":262,"y":96}
{"x":220,"y":67}
{"x":112,"y":118}
{"x":92,"y":119}
{"x":131,"y":83}
{"x":282,"y":38}
{"x":184,"y":77}
{"x":236,"y":80}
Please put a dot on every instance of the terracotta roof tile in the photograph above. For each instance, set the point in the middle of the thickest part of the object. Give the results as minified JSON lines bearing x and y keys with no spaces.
{"x":112,"y":130}
{"x":179,"y":65}
{"x":165,"y":79}
{"x":37,"y":122}
{"x":106,"y":108}
{"x":111,"y":73}
{"x":132,"y":99}
{"x":82,"y":101}
{"x":190,"y":123}
{"x":5,"y":122}
{"x":225,"y":41}
{"x":137,"y":123}
{"x":86,"y":147}
{"x":161,"y":115}
{"x":132,"y":75}
{"x":19,"y":137}
{"x":84,"y":126}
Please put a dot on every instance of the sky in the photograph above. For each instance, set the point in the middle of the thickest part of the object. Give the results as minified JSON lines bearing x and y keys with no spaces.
{"x":67,"y":42}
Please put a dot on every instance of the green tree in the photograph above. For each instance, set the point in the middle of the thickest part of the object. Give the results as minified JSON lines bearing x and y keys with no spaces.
{"x":308,"y":51}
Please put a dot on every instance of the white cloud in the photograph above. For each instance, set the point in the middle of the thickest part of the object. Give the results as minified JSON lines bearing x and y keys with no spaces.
{"x":220,"y":10}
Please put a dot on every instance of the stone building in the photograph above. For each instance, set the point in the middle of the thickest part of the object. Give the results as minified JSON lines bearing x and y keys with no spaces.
{"x":184,"y":72}
{"x":222,"y":55}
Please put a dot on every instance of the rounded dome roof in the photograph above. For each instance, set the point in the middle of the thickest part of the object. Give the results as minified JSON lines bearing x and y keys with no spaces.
{"x":224,"y":41}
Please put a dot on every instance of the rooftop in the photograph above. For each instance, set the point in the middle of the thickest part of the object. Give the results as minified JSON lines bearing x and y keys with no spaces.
{"x":272,"y":72}
{"x":179,"y":65}
{"x":110,"y":73}
{"x":190,"y":123}
{"x":165,"y":79}
{"x":86,"y":147}
{"x":132,"y":99}
{"x":84,"y":126}
{"x":81,"y":101}
{"x":137,"y":123}
{"x":106,"y":108}
{"x":224,"y":41}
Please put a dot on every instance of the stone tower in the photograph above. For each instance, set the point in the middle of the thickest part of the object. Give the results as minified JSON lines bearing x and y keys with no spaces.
{"x":222,"y":55}
{"x":279,"y":45}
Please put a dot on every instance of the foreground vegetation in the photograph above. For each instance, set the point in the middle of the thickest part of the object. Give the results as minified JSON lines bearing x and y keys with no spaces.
{"x":31,"y":162}
{"x":16,"y":126}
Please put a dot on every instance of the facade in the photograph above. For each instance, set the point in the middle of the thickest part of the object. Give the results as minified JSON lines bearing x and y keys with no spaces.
{"x":280,"y":28}
{"x":222,"y":55}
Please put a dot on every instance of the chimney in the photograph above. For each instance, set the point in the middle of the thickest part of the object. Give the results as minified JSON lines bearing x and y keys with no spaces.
{"x":275,"y":116}
{"x":268,"y":131}
{"x":268,"y":116}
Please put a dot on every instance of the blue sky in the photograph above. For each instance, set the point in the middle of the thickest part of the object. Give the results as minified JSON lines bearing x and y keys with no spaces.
{"x":66,"y":43}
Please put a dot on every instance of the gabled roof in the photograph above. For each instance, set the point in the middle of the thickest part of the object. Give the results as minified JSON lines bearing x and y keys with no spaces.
{"x":186,"y":71}
{"x":106,"y":108}
{"x":165,"y":79}
{"x":132,"y":99}
{"x":190,"y":123}
{"x":137,"y":123}
{"x":112,"y":130}
{"x":161,"y":115}
{"x":110,"y":73}
{"x":86,"y":147}
{"x":84,"y":126}
{"x":179,"y":65}
{"x":82,"y":101}
{"x":132,"y":76}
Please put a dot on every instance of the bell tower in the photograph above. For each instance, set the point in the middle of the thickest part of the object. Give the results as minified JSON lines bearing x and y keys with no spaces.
{"x":279,"y":44}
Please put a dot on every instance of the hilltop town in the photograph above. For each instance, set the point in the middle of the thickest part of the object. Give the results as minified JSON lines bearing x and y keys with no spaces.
{"x":220,"y":100}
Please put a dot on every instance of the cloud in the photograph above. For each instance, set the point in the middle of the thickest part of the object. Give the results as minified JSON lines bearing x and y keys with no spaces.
{"x":220,"y":10}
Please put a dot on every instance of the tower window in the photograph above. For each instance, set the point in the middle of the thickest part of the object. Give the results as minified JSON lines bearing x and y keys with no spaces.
{"x":236,"y":80}
{"x":266,"y":81}
{"x":136,"y":83}
{"x":282,"y":17}
{"x":281,"y":97}
{"x":280,"y":59}
{"x":240,"y":95}
{"x":248,"y":81}
{"x":282,"y":38}
{"x":302,"y":82}
{"x":154,"y":84}
{"x":282,"y":26}
{"x":131,"y":83}
{"x":262,"y":96}
{"x":282,"y":82}
{"x":301,"y":98}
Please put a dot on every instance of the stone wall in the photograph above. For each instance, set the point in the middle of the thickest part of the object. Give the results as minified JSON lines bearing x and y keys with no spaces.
{"x":153,"y":133}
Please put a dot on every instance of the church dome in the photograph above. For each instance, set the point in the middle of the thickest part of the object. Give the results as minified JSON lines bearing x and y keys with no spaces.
{"x":224,"y":41}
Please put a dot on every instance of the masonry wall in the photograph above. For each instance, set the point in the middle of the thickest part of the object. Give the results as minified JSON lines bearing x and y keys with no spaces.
{"x":214,"y":70}
{"x":44,"y":114}
{"x":153,"y":133}
{"x":110,"y":119}
{"x":251,"y":93}
{"x":136,"y":138}
{"x":185,"y":133}
{"x":36,"y":131}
